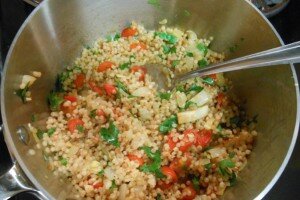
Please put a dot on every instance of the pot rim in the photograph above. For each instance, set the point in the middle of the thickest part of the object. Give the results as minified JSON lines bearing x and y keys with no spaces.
{"x":14,"y":151}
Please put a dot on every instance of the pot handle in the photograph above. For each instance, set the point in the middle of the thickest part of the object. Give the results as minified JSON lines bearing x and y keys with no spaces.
{"x":34,"y":3}
{"x":14,"y":182}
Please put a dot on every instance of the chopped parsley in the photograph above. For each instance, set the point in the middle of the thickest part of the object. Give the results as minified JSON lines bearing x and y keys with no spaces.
{"x":93,"y":113}
{"x":236,"y":120}
{"x":80,"y":128}
{"x":51,"y":131}
{"x":40,"y":134}
{"x":100,"y":173}
{"x":110,"y":134}
{"x":33,"y":118}
{"x":224,"y":165}
{"x":167,"y":49}
{"x":113,"y":185}
{"x":164,"y":95}
{"x":189,"y":54}
{"x":63,"y":161}
{"x":22,"y":93}
{"x":202,"y":48}
{"x":180,"y":88}
{"x":208,"y":166}
{"x":121,"y":87}
{"x":231,"y":154}
{"x":169,"y":38}
{"x":158,"y":197}
{"x":232,"y":179}
{"x":54,"y":101}
{"x":113,"y":37}
{"x":188,"y":104}
{"x":219,"y":128}
{"x":124,"y":66}
{"x":196,"y":183}
{"x":202,"y":63}
{"x":195,"y":88}
{"x":208,"y":80}
{"x":174,"y":63}
{"x":168,"y":124}
{"x":154,"y":165}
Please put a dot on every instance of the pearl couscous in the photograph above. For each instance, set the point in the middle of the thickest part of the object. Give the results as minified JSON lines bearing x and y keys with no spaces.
{"x":115,"y":136}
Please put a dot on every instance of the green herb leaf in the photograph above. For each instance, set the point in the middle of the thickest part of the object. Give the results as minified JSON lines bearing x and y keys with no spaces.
{"x":169,"y":38}
{"x":202,"y":48}
{"x":195,"y":88}
{"x":174,"y":63}
{"x":122,"y":87}
{"x":224,"y":165}
{"x":22,"y":93}
{"x":188,"y":104}
{"x":208,"y":166}
{"x":54,"y":101}
{"x":113,"y":37}
{"x":80,"y":128}
{"x":231,"y":154}
{"x":164,"y":95}
{"x":180,"y":88}
{"x":202,"y":63}
{"x":236,"y":120}
{"x":208,"y":80}
{"x":51,"y":131}
{"x":158,"y":197}
{"x":154,"y":3}
{"x":219,"y":128}
{"x":40,"y":134}
{"x":63,"y":161}
{"x":113,"y":185}
{"x":207,"y":148}
{"x":110,"y":134}
{"x":168,"y":124}
{"x":93,"y":113}
{"x":100,"y":173}
{"x":232,"y":179}
{"x":196,"y":183}
{"x":189,"y":54}
{"x":154,"y":166}
{"x":33,"y":118}
{"x":124,"y":66}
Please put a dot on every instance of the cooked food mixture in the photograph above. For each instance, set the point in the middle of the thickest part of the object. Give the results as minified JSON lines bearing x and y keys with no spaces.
{"x":115,"y":136}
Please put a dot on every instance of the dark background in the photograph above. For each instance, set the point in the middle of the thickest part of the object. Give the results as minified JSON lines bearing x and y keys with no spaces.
{"x":287,"y":23}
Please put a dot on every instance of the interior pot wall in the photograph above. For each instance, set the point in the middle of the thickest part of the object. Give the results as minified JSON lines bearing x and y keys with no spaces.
{"x":55,"y":34}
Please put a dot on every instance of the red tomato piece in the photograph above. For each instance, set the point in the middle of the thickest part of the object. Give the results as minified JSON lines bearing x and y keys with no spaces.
{"x":179,"y":165}
{"x":133,"y":157}
{"x":105,"y":66}
{"x":204,"y":137}
{"x":98,"y":185}
{"x":110,"y":89}
{"x":70,"y":98}
{"x":187,"y":143}
{"x":67,"y":109}
{"x":220,"y":99}
{"x":95,"y":88}
{"x":170,"y":173}
{"x":190,"y":193}
{"x":128,"y":32}
{"x":171,"y":143}
{"x":100,"y":113}
{"x":213,"y":76}
{"x":141,"y":69}
{"x":163,"y":185}
{"x":79,"y":81}
{"x":139,"y":45}
{"x":73,"y":123}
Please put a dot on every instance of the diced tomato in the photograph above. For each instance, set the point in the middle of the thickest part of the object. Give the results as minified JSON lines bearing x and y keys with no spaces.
{"x":67,"y":109}
{"x":100,"y":113}
{"x":139,"y":45}
{"x":190,"y":193}
{"x":179,"y":165}
{"x":133,"y":157}
{"x":110,"y":89}
{"x":204,"y":138}
{"x":170,"y":173}
{"x":163,"y":185}
{"x":187,"y":143}
{"x":171,"y":143}
{"x":73,"y":123}
{"x":98,"y":185}
{"x":79,"y":81}
{"x":220,"y":99}
{"x":213,"y":76}
{"x":142,"y":70}
{"x":105,"y":66}
{"x":70,"y":98}
{"x":95,"y":88}
{"x":128,"y":32}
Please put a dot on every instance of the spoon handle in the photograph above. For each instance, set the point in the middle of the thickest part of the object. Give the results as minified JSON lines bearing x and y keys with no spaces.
{"x":285,"y":54}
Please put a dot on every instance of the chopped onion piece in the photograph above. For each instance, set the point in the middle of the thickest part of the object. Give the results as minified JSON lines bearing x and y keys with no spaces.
{"x":142,"y":92}
{"x":217,"y":152}
{"x":27,"y":80}
{"x":191,"y":116}
{"x":201,"y":98}
{"x":204,"y":161}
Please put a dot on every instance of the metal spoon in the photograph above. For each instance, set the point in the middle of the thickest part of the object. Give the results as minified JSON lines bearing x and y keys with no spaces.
{"x":285,"y":54}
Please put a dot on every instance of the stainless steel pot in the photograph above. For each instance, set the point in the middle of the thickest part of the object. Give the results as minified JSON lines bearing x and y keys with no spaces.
{"x":55,"y":33}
